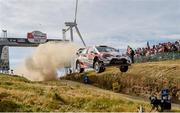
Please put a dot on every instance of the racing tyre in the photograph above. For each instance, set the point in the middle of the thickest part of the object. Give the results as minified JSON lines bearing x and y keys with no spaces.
{"x":99,"y":67}
{"x":78,"y":68}
{"x":123,"y":68}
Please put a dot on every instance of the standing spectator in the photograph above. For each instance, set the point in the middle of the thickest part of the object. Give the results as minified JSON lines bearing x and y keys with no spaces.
{"x":130,"y":53}
{"x":160,"y":48}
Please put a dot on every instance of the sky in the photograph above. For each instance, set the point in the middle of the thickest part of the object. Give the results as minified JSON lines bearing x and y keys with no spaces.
{"x":116,"y":23}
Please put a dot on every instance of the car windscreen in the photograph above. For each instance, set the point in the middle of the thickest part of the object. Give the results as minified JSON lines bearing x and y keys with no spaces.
{"x":84,"y":51}
{"x":106,"y":49}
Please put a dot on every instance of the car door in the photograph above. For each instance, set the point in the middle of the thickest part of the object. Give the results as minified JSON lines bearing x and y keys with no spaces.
{"x":91,"y":55}
{"x":83,"y":57}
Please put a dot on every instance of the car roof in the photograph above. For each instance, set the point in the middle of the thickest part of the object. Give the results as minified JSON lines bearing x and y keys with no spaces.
{"x":103,"y":46}
{"x":93,"y":47}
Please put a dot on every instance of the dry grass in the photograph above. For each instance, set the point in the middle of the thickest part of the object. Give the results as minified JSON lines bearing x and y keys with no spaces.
{"x":142,"y":79}
{"x":19,"y":94}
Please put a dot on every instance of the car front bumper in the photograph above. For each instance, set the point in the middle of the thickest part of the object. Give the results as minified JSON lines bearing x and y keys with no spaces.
{"x":116,"y":61}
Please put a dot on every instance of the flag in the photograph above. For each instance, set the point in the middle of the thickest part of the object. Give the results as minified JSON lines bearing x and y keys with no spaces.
{"x":148,"y":46}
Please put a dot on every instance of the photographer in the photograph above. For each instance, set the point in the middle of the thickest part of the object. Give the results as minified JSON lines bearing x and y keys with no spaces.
{"x":164,"y":103}
{"x":155,"y":102}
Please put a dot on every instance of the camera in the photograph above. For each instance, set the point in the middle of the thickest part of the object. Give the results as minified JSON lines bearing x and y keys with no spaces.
{"x":164,"y":103}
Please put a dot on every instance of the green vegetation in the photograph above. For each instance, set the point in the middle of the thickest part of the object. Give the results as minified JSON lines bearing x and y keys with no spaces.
{"x":142,"y":79}
{"x":19,"y":94}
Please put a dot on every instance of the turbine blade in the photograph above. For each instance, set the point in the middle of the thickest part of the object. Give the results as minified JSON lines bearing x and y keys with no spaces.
{"x":67,"y":29}
{"x":80,"y":35}
{"x":76,"y":11}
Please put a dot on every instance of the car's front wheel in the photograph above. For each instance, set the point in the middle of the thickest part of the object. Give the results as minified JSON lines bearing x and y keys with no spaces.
{"x":78,"y":68}
{"x":99,"y":67}
{"x":123,"y":68}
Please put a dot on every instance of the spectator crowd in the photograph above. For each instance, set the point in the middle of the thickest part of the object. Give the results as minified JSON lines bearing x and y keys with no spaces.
{"x":160,"y":48}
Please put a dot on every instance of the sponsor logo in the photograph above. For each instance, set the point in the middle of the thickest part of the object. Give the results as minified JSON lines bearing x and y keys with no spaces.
{"x":37,"y":37}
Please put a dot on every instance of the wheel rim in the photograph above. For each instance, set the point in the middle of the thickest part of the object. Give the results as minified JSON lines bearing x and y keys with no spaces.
{"x":78,"y":67}
{"x":123,"y":68}
{"x":97,"y":66}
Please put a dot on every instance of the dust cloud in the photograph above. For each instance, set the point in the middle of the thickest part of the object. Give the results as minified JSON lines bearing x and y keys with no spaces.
{"x":46,"y":60}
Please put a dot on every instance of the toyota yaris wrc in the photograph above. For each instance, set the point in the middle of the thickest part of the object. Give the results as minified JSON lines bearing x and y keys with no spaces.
{"x":98,"y":57}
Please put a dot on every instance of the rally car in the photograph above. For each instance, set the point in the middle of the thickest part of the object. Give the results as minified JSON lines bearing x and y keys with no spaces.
{"x":98,"y":57}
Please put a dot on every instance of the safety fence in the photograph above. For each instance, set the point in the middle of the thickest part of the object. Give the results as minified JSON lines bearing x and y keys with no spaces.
{"x":158,"y":57}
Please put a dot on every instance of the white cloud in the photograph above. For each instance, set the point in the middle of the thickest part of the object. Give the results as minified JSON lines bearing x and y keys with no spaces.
{"x":171,"y":36}
{"x":96,"y":18}
{"x":114,"y":22}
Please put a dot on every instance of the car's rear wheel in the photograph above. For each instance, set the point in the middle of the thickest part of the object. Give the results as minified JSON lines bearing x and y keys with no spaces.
{"x":99,"y":66}
{"x":78,"y":68}
{"x":123,"y":68}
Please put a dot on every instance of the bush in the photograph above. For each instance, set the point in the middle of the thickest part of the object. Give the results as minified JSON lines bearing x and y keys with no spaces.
{"x":8,"y":106}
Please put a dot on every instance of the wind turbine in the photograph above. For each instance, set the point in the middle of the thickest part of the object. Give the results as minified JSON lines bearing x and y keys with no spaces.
{"x":72,"y":25}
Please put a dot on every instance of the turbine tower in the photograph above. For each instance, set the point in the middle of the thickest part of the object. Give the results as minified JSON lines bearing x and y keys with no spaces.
{"x":72,"y":25}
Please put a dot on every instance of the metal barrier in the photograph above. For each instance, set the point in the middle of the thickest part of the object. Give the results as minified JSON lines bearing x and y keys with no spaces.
{"x":158,"y":57}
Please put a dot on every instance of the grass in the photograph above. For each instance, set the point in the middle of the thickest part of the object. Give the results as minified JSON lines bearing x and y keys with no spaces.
{"x":19,"y":94}
{"x":142,"y":79}
{"x":22,"y":95}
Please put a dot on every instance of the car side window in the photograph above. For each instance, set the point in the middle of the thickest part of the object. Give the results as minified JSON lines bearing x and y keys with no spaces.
{"x":91,"y":50}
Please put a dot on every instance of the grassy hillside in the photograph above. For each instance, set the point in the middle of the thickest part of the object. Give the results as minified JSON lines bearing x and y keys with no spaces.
{"x":19,"y":94}
{"x":142,"y":79}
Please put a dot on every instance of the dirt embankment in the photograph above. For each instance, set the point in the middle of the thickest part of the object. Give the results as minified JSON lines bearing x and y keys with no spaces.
{"x":142,"y":79}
